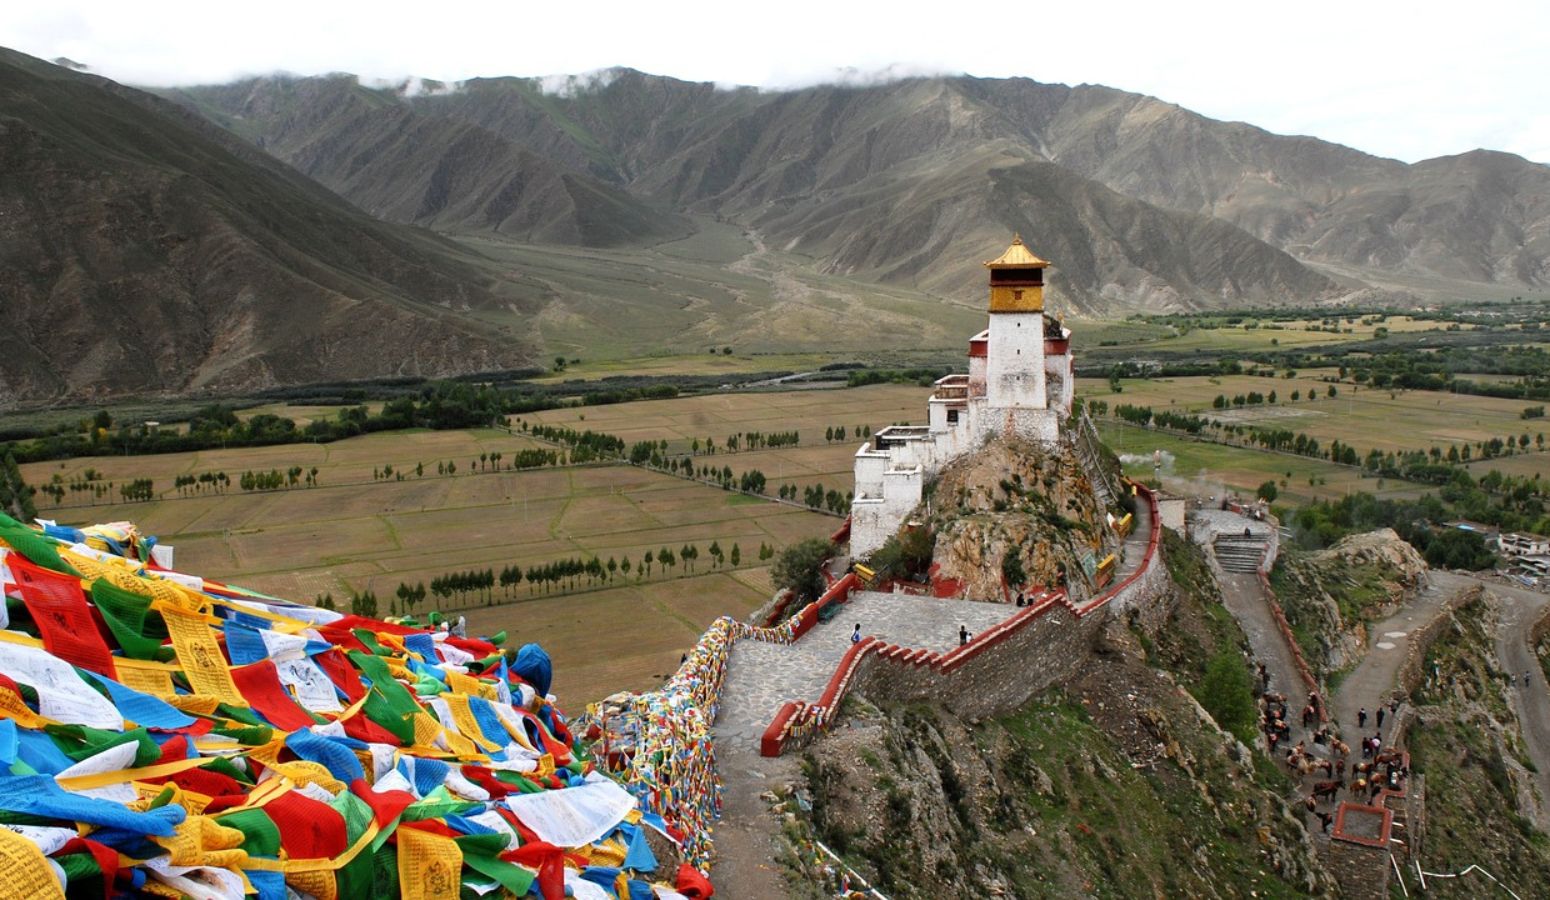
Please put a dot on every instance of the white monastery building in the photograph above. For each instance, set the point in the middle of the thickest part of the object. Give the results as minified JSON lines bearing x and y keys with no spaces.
{"x":1019,"y":384}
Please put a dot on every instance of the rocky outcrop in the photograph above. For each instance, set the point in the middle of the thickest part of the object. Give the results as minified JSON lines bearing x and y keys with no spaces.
{"x":1017,"y":499}
{"x":1330,"y":596}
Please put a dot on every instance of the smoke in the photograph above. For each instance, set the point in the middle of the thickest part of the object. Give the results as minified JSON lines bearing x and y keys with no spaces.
{"x":1164,"y":459}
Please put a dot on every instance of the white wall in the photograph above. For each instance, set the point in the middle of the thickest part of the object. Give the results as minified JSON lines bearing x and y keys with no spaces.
{"x":1014,"y":370}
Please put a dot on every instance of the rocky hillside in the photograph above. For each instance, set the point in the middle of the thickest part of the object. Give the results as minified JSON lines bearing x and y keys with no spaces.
{"x":1144,"y":204}
{"x":1330,"y":596}
{"x":1468,"y":746}
{"x":143,"y":251}
{"x":1116,"y":784}
{"x":1016,"y":506}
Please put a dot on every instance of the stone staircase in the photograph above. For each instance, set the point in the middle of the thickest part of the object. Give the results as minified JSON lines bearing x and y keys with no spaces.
{"x":1084,"y":440}
{"x":1238,"y":553}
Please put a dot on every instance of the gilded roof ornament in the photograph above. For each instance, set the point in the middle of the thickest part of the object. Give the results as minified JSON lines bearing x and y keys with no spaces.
{"x":1017,"y":256}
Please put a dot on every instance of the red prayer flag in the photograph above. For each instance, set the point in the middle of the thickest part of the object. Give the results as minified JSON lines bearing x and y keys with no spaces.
{"x":64,"y":619}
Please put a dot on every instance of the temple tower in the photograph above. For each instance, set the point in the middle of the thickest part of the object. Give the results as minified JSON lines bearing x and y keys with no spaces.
{"x":1014,"y":365}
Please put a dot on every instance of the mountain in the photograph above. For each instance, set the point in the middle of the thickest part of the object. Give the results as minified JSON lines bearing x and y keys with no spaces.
{"x":1142,"y":203}
{"x":143,"y":250}
{"x":420,"y":164}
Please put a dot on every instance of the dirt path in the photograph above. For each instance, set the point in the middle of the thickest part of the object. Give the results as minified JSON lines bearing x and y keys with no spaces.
{"x":1520,"y":608}
{"x":747,"y":835}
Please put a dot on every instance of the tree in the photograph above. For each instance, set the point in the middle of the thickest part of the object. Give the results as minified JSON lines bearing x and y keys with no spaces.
{"x":1227,"y":693}
{"x":716,"y":555}
{"x":736,"y":555}
{"x":625,"y":567}
{"x":1268,"y":492}
{"x":364,"y":604}
{"x":613,"y":566}
{"x":798,"y":568}
{"x":15,"y":494}
{"x":1012,"y":570}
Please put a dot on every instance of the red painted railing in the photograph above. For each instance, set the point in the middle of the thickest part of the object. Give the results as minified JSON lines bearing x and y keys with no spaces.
{"x":797,"y":720}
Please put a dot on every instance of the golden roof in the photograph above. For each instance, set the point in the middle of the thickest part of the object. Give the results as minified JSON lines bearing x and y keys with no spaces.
{"x":1017,"y":256}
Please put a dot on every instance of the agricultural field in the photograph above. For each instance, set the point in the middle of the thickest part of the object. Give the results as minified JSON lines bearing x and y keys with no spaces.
{"x":355,"y":533}
{"x":682,"y":421}
{"x":1363,"y":417}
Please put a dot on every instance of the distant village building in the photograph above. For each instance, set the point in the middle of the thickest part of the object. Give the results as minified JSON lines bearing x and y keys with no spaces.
{"x":1514,"y":544}
{"x":1019,"y":384}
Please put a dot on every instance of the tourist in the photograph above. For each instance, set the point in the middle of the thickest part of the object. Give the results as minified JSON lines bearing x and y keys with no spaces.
{"x":963,"y":635}
{"x":855,"y":636}
{"x":1381,"y":711}
{"x":1361,"y":718}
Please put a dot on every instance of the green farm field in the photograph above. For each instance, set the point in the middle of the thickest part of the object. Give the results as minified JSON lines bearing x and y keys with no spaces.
{"x":1202,"y":468}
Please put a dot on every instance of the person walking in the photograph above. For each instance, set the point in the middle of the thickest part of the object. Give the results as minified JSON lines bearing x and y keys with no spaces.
{"x":1381,"y":711}
{"x":963,"y":635}
{"x":1361,"y":718}
{"x":855,"y":636}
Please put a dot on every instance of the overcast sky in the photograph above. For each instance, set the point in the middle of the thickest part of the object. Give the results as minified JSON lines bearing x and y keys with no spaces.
{"x":1407,"y":80}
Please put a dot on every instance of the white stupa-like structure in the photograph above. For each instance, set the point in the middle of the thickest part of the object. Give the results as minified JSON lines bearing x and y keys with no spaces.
{"x":1019,"y":384}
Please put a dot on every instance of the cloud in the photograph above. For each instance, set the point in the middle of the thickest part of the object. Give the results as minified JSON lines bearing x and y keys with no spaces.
{"x":1409,"y":83}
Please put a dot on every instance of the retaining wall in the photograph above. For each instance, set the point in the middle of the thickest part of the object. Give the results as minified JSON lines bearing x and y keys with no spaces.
{"x":1411,"y":671}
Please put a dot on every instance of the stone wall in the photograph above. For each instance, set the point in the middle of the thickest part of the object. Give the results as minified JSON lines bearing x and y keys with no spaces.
{"x":996,"y":680}
{"x":1411,"y":672}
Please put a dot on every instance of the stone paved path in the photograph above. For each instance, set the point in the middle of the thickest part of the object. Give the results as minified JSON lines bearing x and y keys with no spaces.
{"x":1374,"y":680}
{"x":762,"y":676}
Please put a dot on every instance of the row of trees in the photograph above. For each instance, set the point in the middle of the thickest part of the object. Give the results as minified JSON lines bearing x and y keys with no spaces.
{"x":215,"y":482}
{"x":815,"y":496}
{"x":274,"y":479}
{"x":585,"y":446}
{"x":837,"y":433}
{"x":563,"y":575}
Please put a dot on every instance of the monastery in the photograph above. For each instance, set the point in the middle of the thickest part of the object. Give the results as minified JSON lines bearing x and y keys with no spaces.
{"x":1019,"y":384}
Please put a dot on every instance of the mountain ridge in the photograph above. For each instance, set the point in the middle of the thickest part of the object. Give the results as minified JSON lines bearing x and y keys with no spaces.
{"x":147,"y":251}
{"x":755,"y":156}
